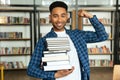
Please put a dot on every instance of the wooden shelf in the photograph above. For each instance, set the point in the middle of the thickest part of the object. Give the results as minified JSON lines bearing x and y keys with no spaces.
{"x":14,"y":54}
{"x":14,"y":24}
{"x":100,"y":53}
{"x":16,"y":69}
{"x":22,"y":39}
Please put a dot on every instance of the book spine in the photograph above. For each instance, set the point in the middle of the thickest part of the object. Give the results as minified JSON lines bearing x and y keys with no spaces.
{"x":57,"y":67}
{"x":55,"y":58}
{"x":56,"y":63}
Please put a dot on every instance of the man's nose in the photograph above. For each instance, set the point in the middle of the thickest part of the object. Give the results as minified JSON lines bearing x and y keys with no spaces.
{"x":59,"y":19}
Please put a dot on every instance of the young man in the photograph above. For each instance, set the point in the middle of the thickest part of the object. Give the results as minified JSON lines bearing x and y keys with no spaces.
{"x":78,"y":43}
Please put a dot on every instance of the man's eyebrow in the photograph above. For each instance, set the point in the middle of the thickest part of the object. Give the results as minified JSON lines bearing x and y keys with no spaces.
{"x":61,"y":14}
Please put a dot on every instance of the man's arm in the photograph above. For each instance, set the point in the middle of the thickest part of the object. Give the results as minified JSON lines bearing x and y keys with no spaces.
{"x":93,"y":36}
{"x":34,"y":69}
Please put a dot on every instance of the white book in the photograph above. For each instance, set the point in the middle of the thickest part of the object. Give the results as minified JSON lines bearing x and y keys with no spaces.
{"x":55,"y":58}
{"x":58,"y":41}
{"x":49,"y":52}
{"x":58,"y":44}
{"x":57,"y":49}
{"x":55,"y":54}
{"x":66,"y":62}
{"x":57,"y":38}
{"x":64,"y":46}
{"x":57,"y":67}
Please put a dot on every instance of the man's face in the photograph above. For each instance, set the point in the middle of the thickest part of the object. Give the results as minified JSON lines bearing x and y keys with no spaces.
{"x":58,"y":17}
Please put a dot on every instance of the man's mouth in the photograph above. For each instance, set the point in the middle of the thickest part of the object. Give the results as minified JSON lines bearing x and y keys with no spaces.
{"x":59,"y":24}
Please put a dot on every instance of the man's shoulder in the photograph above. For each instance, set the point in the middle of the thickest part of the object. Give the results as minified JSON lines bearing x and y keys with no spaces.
{"x":75,"y":30}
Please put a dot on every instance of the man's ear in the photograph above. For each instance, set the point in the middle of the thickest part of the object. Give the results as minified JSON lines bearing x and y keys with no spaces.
{"x":67,"y":17}
{"x":49,"y":18}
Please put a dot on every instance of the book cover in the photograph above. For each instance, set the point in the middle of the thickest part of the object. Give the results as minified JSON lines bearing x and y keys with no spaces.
{"x":55,"y":58}
{"x":57,"y":38}
{"x":55,"y":54}
{"x":59,"y":48}
{"x":66,"y":62}
{"x":56,"y":67}
{"x":49,"y":52}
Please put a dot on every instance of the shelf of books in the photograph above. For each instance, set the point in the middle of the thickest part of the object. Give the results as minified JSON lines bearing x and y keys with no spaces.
{"x":101,"y":53}
{"x":15,"y":38}
{"x":117,"y":35}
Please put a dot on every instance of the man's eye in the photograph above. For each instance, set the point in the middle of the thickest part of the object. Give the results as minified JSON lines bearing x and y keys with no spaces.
{"x":54,"y":16}
{"x":63,"y":16}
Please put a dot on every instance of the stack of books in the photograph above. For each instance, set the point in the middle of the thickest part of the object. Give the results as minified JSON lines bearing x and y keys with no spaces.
{"x":56,"y":58}
{"x":59,"y":43}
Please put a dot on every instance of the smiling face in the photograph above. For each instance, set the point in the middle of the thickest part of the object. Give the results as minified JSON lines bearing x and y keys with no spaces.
{"x":58,"y":18}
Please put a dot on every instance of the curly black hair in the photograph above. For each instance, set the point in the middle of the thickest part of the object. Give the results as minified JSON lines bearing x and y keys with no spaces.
{"x":58,"y":4}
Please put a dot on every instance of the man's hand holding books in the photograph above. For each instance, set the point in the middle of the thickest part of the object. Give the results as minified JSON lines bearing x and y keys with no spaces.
{"x":62,"y":73}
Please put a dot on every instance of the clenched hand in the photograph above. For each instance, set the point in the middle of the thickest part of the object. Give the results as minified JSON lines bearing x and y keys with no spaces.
{"x":62,"y":73}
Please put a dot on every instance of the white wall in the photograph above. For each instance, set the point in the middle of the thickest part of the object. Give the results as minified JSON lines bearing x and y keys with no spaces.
{"x":82,"y":2}
{"x":25,"y":2}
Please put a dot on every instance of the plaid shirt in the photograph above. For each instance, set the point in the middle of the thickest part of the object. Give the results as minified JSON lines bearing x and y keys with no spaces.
{"x":80,"y":39}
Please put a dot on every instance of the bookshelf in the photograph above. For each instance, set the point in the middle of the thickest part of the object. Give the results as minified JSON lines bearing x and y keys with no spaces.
{"x":15,"y":36}
{"x":117,"y":34}
{"x":17,"y":72}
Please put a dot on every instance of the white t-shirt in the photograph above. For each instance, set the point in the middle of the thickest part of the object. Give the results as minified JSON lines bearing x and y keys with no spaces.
{"x":76,"y":74}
